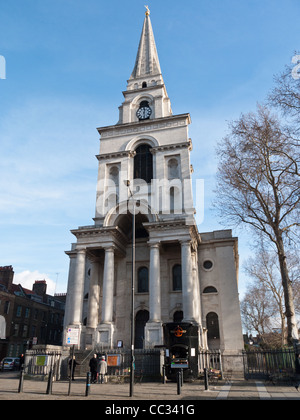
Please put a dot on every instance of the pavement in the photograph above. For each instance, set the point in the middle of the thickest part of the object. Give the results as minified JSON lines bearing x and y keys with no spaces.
{"x":159,"y":393}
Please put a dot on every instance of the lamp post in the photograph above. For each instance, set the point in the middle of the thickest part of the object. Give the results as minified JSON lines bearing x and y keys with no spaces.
{"x":132,"y":294}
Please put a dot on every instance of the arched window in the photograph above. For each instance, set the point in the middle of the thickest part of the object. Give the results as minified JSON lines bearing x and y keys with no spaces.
{"x":178,"y":316}
{"x":173,"y":172}
{"x":143,"y":163}
{"x":212,"y":325}
{"x":143,"y":281}
{"x":176,"y":277}
{"x":144,"y":84}
{"x":210,"y":289}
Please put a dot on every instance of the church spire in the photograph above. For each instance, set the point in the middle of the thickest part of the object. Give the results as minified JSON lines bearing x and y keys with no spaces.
{"x":145,"y":85}
{"x":147,"y":62}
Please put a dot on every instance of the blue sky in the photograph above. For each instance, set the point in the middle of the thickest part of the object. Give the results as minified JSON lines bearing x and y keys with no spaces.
{"x":67,"y":63}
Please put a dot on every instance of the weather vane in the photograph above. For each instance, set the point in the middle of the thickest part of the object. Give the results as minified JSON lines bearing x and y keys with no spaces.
{"x":147,"y":11}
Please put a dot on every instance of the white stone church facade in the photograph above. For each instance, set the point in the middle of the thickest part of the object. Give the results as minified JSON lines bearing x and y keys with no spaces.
{"x":180,"y":274}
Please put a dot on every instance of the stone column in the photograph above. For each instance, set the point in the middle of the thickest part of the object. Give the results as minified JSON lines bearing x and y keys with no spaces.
{"x":94,"y":295}
{"x":187,"y":282}
{"x":154,"y":284}
{"x":78,"y":289}
{"x":105,"y":330}
{"x":108,"y":285}
{"x":153,"y":328}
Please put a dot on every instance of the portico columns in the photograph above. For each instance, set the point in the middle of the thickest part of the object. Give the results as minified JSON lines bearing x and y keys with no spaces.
{"x":94,"y":295}
{"x":108,"y":285}
{"x":153,"y":328}
{"x":77,"y":295}
{"x":187,"y":282}
{"x":106,"y":328}
{"x":154,"y":284}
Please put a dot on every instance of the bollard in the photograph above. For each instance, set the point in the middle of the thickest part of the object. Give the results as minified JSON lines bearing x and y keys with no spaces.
{"x":205,"y":379}
{"x":50,"y":382}
{"x":21,"y":380}
{"x":181,"y":376}
{"x":178,"y":375}
{"x":88,"y":384}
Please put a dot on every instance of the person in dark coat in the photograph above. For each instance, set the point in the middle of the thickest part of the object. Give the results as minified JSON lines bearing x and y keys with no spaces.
{"x":22,"y":360}
{"x":93,"y":368}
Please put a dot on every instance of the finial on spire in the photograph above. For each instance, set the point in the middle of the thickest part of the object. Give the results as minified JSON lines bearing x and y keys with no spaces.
{"x":147,"y":11}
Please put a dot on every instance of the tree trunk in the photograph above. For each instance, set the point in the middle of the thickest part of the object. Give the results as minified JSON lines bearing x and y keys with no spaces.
{"x":292,"y":330}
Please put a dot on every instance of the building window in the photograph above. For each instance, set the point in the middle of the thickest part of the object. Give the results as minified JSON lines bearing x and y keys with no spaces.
{"x":210,"y":289}
{"x":33,"y":330}
{"x":143,"y":163}
{"x":6,"y":307}
{"x":212,"y":325}
{"x":143,"y":280}
{"x":19,"y":311}
{"x":177,"y":280}
{"x":25,"y":331}
{"x":16,"y":330}
{"x":173,"y":172}
{"x":207,"y":265}
{"x":142,"y":317}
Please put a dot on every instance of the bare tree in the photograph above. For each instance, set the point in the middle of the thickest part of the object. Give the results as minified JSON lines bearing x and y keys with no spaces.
{"x":258,"y":184}
{"x":286,"y":92}
{"x":263,"y":270}
{"x":256,"y":310}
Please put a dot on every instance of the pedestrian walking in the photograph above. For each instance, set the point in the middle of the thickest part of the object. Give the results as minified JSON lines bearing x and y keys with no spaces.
{"x":93,"y":368}
{"x":102,"y":369}
{"x":22,"y":359}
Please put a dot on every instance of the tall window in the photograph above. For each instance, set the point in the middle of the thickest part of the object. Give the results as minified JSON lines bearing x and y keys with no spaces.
{"x":143,"y":163}
{"x":143,"y":282}
{"x":212,"y":324}
{"x":142,"y":317}
{"x":176,"y":274}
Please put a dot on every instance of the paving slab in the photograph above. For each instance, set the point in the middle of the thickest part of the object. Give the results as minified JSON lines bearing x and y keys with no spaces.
{"x":234,"y":390}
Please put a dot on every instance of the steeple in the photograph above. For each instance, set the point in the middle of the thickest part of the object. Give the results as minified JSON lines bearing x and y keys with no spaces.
{"x":145,"y":87}
{"x":147,"y":62}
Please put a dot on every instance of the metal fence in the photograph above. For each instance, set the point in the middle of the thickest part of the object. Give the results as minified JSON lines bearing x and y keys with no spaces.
{"x":148,"y":362}
{"x":40,"y":361}
{"x":210,"y":359}
{"x":262,"y":364}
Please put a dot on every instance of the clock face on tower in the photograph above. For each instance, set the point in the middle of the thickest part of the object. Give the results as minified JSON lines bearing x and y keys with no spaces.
{"x":144,"y":111}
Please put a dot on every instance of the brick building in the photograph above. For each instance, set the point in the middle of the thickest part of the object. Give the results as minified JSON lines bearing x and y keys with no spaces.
{"x":28,"y":316}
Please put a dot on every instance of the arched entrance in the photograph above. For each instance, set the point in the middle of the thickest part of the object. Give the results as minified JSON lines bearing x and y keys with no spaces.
{"x":142,"y":317}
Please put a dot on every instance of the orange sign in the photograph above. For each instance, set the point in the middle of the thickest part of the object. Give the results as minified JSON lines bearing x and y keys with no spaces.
{"x":113,"y":360}
{"x":178,"y":332}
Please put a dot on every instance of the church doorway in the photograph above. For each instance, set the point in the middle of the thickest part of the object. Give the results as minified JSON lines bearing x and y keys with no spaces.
{"x":142,"y":317}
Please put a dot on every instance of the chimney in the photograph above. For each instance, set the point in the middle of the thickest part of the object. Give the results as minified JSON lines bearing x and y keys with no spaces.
{"x":7,"y":276}
{"x":40,"y":287}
